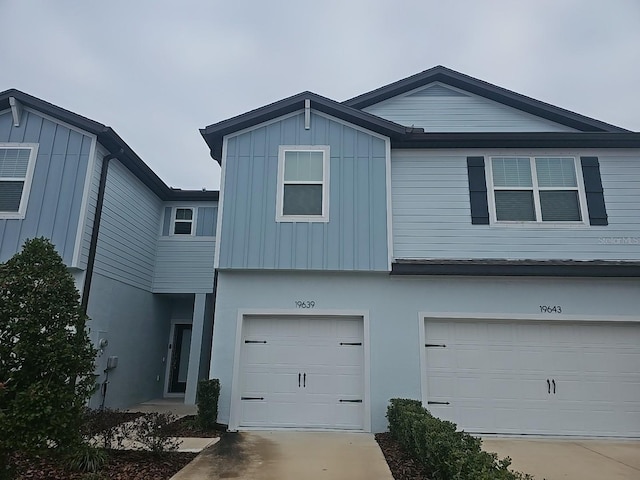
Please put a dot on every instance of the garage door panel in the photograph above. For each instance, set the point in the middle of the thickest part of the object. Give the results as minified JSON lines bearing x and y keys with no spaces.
{"x":495,"y":373}
{"x":302,"y":372}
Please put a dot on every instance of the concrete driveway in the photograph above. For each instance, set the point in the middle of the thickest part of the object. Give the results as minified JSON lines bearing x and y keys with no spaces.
{"x":570,"y":459}
{"x":290,"y":456}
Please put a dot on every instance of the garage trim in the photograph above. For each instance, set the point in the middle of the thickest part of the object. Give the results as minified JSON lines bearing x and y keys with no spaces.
{"x":423,"y":317}
{"x":234,"y":414}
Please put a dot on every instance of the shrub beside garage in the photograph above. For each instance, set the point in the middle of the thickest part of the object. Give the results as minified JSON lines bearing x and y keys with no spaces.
{"x":443,"y":450}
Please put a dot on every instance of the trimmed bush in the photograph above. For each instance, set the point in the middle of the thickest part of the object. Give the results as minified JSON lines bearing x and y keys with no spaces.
{"x":207,"y":400}
{"x":444,"y":451}
{"x":46,"y":358}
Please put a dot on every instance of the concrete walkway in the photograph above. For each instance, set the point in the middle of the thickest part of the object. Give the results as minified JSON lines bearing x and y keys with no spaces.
{"x":570,"y":459}
{"x":290,"y":456}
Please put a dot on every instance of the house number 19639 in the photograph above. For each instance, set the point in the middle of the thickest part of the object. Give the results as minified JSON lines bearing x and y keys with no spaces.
{"x":550,"y":309}
{"x":305,"y":303}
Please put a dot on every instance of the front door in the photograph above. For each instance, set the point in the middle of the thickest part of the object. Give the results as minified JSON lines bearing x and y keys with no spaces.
{"x":180,"y":347}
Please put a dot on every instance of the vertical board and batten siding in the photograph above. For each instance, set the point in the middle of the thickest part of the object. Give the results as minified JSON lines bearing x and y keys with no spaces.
{"x":55,"y":198}
{"x":432,"y":215}
{"x":354,"y":238}
{"x":129,"y":229}
{"x":441,"y":109}
{"x":184,"y":264}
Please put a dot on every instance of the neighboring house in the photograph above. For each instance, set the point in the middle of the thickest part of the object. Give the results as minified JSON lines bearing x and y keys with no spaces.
{"x":438,"y":238}
{"x":144,"y":269}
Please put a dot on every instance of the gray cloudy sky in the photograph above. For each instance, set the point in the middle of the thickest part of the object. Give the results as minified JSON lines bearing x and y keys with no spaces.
{"x":157,"y":71}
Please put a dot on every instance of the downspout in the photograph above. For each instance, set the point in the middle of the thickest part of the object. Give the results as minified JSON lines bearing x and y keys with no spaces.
{"x":96,"y":227}
{"x":213,"y":317}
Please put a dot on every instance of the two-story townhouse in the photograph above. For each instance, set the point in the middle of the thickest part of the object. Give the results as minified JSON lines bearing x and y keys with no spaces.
{"x":439,"y":238}
{"x":140,"y":252}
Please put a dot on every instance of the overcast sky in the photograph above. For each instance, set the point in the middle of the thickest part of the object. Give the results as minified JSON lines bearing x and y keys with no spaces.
{"x":157,"y":71}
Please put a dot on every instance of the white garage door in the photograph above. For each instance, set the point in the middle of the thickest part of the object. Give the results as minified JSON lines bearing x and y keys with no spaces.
{"x":302,"y":372}
{"x":545,"y":378}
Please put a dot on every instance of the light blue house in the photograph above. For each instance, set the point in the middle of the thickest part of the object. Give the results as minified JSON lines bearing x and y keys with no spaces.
{"x":140,"y":252}
{"x":439,"y":238}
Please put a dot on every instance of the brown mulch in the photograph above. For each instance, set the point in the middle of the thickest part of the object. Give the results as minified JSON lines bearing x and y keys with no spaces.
{"x":402,"y":466}
{"x":122,"y":465}
{"x":188,"y":427}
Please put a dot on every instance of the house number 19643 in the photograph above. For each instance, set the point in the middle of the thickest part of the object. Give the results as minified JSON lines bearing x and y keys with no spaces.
{"x":305,"y":303}
{"x":550,"y":309}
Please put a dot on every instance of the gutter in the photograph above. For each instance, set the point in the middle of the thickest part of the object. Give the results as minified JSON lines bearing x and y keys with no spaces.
{"x":96,"y":228}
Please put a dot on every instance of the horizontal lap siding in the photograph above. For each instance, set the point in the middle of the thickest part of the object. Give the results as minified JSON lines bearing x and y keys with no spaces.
{"x":432,"y":217}
{"x":355,"y":237}
{"x":55,"y":199}
{"x":129,"y":229}
{"x":461,"y":114}
{"x":184,"y":266}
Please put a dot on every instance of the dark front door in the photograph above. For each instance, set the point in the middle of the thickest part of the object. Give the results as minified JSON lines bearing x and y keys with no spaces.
{"x":179,"y":358}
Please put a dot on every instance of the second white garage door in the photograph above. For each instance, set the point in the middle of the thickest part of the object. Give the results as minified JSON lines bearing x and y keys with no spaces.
{"x":302,"y":372}
{"x":544,"y":378}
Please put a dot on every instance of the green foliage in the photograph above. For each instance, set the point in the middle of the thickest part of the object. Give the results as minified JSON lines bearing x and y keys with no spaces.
{"x":46,"y":358}
{"x":106,"y":428}
{"x":153,"y":433}
{"x":207,"y":400}
{"x":86,"y":458}
{"x":444,"y":451}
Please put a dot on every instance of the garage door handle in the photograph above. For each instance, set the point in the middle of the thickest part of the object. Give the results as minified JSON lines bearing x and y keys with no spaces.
{"x":298,"y":380}
{"x":350,"y":401}
{"x":548,"y":386}
{"x":304,"y":381}
{"x":554,"y":386}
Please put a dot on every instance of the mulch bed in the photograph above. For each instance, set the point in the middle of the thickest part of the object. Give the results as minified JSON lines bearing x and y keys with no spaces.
{"x":122,"y":465}
{"x":402,"y":466}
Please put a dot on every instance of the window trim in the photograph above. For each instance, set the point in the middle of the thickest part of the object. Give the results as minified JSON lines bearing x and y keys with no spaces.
{"x":28,"y":179}
{"x":174,"y":210}
{"x":539,"y":223}
{"x":326,"y":160}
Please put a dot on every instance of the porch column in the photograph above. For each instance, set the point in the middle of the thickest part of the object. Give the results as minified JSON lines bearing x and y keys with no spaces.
{"x":195,"y":349}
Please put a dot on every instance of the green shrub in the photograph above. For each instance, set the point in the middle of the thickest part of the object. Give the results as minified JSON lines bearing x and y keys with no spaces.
{"x":105,"y":428}
{"x":152,"y":431}
{"x":207,"y":400}
{"x":46,"y":358}
{"x":86,"y":459}
{"x":446,"y":452}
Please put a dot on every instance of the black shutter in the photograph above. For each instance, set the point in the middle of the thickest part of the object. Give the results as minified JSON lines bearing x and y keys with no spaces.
{"x":593,"y":190}
{"x":478,"y":191}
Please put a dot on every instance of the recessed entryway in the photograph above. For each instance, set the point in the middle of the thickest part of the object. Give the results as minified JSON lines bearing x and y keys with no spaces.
{"x":178,"y":355}
{"x":534,"y":377}
{"x":301,"y":372}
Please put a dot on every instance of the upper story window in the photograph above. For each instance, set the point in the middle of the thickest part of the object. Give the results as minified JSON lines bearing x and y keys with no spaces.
{"x":303,"y":184}
{"x":183,"y":221}
{"x":16,"y":171}
{"x":535,"y":189}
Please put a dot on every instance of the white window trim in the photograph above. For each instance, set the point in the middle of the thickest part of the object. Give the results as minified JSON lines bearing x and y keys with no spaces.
{"x":280,"y":217}
{"x":28,"y":179}
{"x":538,"y":223}
{"x":194,"y":214}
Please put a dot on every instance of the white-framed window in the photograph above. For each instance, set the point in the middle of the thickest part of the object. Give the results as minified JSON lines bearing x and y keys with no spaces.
{"x":183,"y":221}
{"x":17,"y":162}
{"x":536,"y":189}
{"x":303,"y":184}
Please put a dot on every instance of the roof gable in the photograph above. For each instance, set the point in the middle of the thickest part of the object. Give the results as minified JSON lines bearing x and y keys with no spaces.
{"x":111,"y":141}
{"x":214,"y":134}
{"x":446,"y":77}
